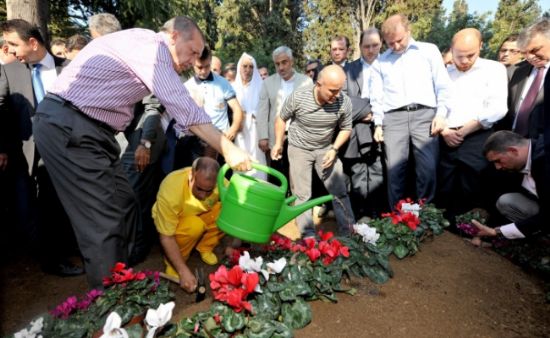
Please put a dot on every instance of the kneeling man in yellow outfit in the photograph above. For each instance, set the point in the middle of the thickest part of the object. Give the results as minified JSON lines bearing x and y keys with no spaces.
{"x":185,"y":213}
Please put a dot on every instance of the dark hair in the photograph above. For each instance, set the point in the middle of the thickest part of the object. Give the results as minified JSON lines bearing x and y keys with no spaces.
{"x":317,"y":69}
{"x":24,"y":29}
{"x":206,"y":165}
{"x":77,"y":42}
{"x":510,"y":38}
{"x":369,"y":31}
{"x":341,"y":37}
{"x":501,"y":140}
{"x":206,"y":54}
{"x":57,"y":41}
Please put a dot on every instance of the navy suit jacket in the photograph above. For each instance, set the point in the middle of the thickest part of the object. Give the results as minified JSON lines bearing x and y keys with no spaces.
{"x":361,"y":136}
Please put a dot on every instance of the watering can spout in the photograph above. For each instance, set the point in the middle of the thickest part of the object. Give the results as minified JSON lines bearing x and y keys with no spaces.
{"x":288,"y":212}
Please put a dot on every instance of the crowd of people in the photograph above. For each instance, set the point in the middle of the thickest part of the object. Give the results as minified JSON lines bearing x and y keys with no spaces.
{"x":108,"y":144}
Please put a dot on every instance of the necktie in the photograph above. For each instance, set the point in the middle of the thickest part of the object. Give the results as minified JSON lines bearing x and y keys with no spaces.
{"x":37,"y":85}
{"x":522,"y":119}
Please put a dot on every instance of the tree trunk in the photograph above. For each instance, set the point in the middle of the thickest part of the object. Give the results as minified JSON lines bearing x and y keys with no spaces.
{"x":34,"y":11}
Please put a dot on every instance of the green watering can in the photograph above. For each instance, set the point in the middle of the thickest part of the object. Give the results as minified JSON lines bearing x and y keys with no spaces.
{"x":252,"y":209}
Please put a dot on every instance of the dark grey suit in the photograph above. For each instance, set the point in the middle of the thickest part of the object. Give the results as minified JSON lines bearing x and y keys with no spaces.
{"x":362,"y":157}
{"x":515,"y":88}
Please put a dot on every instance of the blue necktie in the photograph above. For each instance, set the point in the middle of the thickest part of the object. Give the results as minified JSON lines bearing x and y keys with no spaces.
{"x":37,"y":85}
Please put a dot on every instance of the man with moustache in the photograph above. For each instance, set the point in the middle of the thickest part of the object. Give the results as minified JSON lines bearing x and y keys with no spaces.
{"x":320,"y":124}
{"x":362,"y":156}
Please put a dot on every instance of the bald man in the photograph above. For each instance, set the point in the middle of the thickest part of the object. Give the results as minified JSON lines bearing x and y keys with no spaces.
{"x":316,"y":113}
{"x":409,"y":96}
{"x":216,"y":65}
{"x":479,"y":100}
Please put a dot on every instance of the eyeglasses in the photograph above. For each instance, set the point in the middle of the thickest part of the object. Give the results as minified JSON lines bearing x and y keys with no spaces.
{"x":512,"y":51}
{"x":310,"y":70}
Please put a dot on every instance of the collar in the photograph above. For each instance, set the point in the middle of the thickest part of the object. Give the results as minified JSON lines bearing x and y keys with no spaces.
{"x":412,"y":44}
{"x":47,"y":62}
{"x":209,"y":78}
{"x":476,"y":65}
{"x":527,"y":169}
{"x":291,"y":78}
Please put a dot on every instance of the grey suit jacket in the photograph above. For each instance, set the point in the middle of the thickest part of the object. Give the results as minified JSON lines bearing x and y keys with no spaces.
{"x":361,"y":135}
{"x":271,"y":102}
{"x":17,"y":104}
{"x":515,"y":88}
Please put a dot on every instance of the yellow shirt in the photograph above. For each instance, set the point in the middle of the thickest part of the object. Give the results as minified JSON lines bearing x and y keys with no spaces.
{"x":176,"y":201}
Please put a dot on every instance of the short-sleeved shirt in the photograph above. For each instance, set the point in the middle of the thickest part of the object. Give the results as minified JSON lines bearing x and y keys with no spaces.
{"x":313,"y":126}
{"x":176,"y":201}
{"x":212,"y":94}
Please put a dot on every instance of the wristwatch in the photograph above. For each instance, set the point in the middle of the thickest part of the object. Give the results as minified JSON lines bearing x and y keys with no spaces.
{"x":146,"y":144}
{"x":334,"y":148}
{"x":498,"y":233}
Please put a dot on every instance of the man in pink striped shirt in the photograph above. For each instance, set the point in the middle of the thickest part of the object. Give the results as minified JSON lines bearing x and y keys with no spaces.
{"x":92,"y":99}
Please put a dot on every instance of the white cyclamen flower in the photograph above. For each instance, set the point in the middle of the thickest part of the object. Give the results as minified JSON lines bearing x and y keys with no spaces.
{"x":250,"y":265}
{"x":34,"y":331}
{"x":274,"y":267}
{"x":112,"y":328}
{"x":410,"y":207}
{"x":369,"y":234}
{"x":158,"y":318}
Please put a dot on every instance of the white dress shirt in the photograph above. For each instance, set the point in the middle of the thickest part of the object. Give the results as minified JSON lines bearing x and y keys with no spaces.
{"x":366,"y":73}
{"x":48,"y":74}
{"x":479,"y":93}
{"x":416,"y":76}
{"x":511,"y":231}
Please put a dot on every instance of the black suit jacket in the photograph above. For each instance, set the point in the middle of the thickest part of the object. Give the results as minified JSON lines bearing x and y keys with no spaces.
{"x":17,"y":103}
{"x":538,"y":222}
{"x":360,"y":140}
{"x":515,"y":88}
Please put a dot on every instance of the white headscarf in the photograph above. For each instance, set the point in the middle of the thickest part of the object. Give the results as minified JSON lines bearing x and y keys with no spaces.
{"x":248,"y":96}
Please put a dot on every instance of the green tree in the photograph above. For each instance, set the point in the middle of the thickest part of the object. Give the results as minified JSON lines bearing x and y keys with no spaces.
{"x":511,"y":17}
{"x":257,"y":27}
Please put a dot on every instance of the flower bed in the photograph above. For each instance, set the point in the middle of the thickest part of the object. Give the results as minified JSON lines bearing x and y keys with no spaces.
{"x":261,"y":292}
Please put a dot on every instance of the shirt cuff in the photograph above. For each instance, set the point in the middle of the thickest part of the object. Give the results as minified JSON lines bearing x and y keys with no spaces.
{"x":511,"y":231}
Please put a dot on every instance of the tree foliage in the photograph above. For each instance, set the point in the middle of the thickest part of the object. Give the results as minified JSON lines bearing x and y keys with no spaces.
{"x":511,"y":17}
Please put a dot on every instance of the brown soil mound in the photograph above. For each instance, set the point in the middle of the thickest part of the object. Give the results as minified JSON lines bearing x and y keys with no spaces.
{"x":449,"y":289}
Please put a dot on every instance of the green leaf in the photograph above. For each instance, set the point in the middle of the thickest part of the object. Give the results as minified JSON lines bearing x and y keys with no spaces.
{"x":376,"y":274}
{"x":233,"y":321}
{"x":266,"y":305}
{"x":400,"y":251}
{"x":258,"y":328}
{"x":296,"y":315}
{"x":134,"y":331}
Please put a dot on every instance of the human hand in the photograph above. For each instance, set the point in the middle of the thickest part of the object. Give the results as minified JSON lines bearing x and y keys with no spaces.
{"x":277,"y":152}
{"x":142,"y":158}
{"x":188,"y":281}
{"x":3,"y":161}
{"x":238,"y":159}
{"x":231,"y":134}
{"x":453,"y":138}
{"x":438,"y":124}
{"x":329,"y":158}
{"x":483,"y":229}
{"x":263,"y":144}
{"x":378,"y":134}
{"x":367,"y":118}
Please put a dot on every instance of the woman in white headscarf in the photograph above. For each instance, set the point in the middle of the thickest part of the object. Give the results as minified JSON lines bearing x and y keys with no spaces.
{"x":247,"y":85}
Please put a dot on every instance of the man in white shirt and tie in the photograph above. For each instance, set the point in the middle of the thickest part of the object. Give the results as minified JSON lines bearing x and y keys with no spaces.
{"x":409,"y":95}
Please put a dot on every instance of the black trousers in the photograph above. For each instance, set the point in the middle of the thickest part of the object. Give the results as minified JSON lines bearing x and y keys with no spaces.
{"x":460,"y":175}
{"x":82,"y":158}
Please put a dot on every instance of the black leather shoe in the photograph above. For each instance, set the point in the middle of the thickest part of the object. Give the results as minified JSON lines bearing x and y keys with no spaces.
{"x":64,"y":269}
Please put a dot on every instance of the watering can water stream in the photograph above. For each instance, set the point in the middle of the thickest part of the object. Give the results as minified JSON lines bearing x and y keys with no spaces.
{"x":253,"y":209}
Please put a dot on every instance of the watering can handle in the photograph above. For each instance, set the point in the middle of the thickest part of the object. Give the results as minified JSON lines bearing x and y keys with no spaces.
{"x":222,"y":188}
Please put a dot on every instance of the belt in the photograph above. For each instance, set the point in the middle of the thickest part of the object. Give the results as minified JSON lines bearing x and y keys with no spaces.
{"x":71,"y":106}
{"x":409,"y":107}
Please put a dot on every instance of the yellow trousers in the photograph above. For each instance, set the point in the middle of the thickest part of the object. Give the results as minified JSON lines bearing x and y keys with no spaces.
{"x":200,"y":232}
